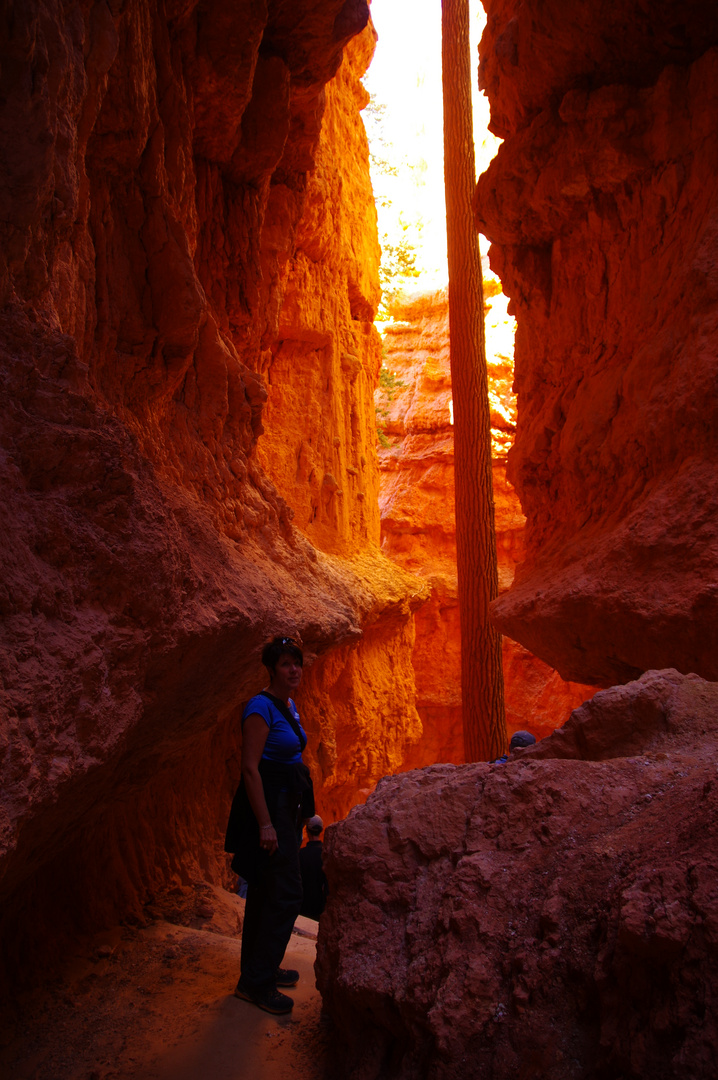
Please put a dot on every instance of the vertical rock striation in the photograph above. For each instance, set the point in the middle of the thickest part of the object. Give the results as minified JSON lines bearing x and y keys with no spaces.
{"x":418,"y":529}
{"x":319,"y":448}
{"x":601,"y":207}
{"x":164,"y":168}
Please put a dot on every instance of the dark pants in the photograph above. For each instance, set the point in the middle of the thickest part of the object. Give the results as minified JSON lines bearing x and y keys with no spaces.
{"x":273,"y":902}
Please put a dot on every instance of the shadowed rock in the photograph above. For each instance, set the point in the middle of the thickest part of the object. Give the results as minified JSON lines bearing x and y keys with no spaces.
{"x":601,"y":210}
{"x":556,"y":916}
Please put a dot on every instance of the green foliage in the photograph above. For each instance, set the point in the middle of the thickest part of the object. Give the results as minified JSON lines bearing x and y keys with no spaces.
{"x":389,"y":384}
{"x":399,"y":249}
{"x":373,"y":121}
{"x":388,"y":381}
{"x":398,"y":265}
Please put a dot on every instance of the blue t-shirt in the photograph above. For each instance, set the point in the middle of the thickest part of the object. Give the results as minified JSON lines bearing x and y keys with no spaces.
{"x":282,"y":744}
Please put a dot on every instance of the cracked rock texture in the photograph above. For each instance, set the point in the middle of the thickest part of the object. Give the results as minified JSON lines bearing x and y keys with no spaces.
{"x":556,"y":916}
{"x":601,"y":210}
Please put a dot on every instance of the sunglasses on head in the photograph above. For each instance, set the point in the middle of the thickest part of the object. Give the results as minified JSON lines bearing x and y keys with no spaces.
{"x":288,"y":641}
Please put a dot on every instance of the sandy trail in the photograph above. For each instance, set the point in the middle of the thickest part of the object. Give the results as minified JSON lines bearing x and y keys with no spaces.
{"x":156,"y":1004}
{"x":232,"y":1040}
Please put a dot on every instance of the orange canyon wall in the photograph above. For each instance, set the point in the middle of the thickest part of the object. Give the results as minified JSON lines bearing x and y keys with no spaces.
{"x":319,"y":447}
{"x":601,"y":206}
{"x":187,"y":363}
{"x":553,"y":916}
{"x":419,"y":530}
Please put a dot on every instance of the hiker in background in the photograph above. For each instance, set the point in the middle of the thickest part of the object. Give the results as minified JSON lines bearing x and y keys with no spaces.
{"x":274,"y":796}
{"x":314,"y":880}
{"x":519,"y":740}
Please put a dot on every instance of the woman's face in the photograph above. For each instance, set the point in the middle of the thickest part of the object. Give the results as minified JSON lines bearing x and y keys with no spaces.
{"x":288,"y":671}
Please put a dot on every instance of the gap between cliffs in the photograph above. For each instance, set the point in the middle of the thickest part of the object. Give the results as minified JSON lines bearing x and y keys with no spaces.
{"x":189,"y":280}
{"x":188,"y":463}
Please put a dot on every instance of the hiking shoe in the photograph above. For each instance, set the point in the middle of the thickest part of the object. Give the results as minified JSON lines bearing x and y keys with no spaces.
{"x":270,"y":1000}
{"x":287,"y":977}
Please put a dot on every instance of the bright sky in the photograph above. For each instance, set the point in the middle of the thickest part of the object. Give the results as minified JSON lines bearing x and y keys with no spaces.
{"x":405,"y":77}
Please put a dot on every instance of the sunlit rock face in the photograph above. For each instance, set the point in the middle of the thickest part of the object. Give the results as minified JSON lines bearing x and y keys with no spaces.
{"x":165,"y":170}
{"x":555,"y":916}
{"x":419,"y":528}
{"x":601,"y":209}
{"x":319,"y":448}
{"x":319,"y":443}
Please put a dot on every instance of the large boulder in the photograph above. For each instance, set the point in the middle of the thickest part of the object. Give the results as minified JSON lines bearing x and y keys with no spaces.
{"x":556,"y":916}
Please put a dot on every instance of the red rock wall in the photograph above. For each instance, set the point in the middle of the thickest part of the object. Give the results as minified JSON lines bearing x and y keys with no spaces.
{"x":319,"y":443}
{"x":319,"y":448}
{"x":601,"y":209}
{"x":551,"y":917}
{"x":419,"y":532}
{"x":164,"y":167}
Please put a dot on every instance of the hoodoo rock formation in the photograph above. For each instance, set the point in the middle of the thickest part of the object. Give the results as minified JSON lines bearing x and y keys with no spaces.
{"x":175,"y":288}
{"x":419,"y":531}
{"x":554,"y":917}
{"x":601,"y":207}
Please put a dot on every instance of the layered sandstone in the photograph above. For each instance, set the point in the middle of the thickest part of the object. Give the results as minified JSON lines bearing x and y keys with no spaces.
{"x":601,"y":210}
{"x":168,"y":198}
{"x":556,"y":916}
{"x":319,"y":448}
{"x":319,"y":441}
{"x":419,"y":528}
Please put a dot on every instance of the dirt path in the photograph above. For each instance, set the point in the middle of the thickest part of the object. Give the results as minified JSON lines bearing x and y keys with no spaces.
{"x":157,"y":1004}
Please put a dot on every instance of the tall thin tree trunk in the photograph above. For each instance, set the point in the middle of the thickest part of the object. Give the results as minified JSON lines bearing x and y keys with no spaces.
{"x":482,"y":683}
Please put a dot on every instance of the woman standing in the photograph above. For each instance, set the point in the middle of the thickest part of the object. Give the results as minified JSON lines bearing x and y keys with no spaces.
{"x":265,"y":827}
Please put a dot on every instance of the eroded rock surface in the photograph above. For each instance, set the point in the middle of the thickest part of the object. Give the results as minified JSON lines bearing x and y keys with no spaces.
{"x":601,"y":210}
{"x":419,"y":528}
{"x":167,"y":203}
{"x":556,"y":916}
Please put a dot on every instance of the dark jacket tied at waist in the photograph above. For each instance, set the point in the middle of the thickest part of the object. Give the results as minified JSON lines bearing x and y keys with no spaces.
{"x":242,"y":837}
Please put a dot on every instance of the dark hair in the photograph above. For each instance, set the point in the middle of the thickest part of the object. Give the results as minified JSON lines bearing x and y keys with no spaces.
{"x":276,"y":648}
{"x":521,"y":739}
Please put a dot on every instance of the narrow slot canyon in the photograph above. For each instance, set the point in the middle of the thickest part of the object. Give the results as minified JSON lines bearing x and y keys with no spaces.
{"x":207,"y":442}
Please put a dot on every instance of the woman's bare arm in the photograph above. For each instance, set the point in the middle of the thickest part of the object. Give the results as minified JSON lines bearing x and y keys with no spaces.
{"x":254,"y":736}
